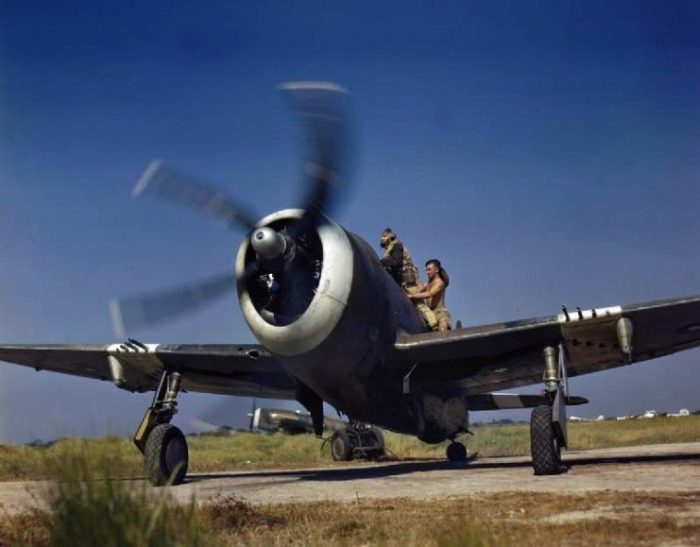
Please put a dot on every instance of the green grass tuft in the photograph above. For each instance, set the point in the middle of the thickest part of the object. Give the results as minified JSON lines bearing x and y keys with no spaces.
{"x":89,"y":505}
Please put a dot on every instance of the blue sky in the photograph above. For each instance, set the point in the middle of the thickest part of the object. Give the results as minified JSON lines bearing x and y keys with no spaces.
{"x":547,"y":154}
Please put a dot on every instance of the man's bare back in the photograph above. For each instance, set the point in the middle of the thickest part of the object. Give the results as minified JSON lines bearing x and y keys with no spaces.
{"x":434,"y":292}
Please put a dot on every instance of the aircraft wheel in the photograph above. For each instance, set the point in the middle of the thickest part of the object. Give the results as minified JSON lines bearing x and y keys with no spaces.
{"x":376,"y":437}
{"x":341,"y":449}
{"x":544,"y":444}
{"x":166,"y":455}
{"x":456,"y":452}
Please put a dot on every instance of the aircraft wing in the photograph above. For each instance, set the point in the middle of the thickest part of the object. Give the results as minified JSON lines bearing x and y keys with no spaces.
{"x":507,"y":355}
{"x":247,"y":370}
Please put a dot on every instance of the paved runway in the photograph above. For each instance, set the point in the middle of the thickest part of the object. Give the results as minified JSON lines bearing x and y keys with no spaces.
{"x":670,"y":467}
{"x":673,"y":467}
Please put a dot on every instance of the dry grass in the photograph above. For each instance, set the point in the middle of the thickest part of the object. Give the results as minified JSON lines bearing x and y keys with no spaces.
{"x":87,"y":506}
{"x":249,"y":451}
{"x":497,"y":519}
{"x":609,"y":434}
{"x":603,"y":518}
{"x":33,"y":462}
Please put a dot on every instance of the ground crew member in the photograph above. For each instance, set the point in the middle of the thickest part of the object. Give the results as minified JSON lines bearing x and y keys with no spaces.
{"x":434,"y":292}
{"x":397,"y":260}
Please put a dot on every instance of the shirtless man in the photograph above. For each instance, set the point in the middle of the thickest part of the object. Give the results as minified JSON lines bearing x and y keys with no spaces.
{"x":434,"y":292}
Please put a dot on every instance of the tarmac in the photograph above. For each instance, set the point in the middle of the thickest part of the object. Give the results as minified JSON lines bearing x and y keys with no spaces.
{"x":652,"y":468}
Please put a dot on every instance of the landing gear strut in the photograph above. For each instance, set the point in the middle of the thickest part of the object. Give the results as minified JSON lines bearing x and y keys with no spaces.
{"x":357,"y":440}
{"x":548,"y":422}
{"x":163,"y":445}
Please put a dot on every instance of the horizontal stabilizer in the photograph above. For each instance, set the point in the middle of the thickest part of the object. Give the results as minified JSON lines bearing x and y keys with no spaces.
{"x":500,"y":401}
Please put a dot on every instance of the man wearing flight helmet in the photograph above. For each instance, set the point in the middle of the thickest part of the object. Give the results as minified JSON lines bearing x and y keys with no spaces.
{"x":397,"y":260}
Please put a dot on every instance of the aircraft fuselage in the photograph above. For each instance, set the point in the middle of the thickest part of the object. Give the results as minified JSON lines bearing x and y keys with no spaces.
{"x":359,"y":309}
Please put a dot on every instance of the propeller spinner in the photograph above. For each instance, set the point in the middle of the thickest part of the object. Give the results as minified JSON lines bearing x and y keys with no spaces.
{"x":268,"y":243}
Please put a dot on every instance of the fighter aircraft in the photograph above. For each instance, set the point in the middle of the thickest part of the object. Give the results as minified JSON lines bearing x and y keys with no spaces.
{"x":334,"y":327}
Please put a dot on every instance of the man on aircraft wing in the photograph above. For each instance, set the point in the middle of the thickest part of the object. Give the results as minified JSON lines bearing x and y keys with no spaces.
{"x":434,"y":291}
{"x":398,"y":262}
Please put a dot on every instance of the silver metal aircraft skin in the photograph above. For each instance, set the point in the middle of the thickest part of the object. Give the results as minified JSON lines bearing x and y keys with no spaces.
{"x":334,"y":327}
{"x":272,"y":420}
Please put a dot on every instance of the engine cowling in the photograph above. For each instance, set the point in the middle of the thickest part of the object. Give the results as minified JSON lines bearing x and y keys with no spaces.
{"x":292,"y":313}
{"x":333,"y":321}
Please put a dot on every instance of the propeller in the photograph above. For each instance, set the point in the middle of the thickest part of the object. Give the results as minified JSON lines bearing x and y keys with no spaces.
{"x":164,"y":182}
{"x":321,"y":110}
{"x":285,"y":266}
{"x":133,"y":313}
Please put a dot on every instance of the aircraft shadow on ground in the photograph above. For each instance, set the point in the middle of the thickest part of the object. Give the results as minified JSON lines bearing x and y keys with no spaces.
{"x":416,"y":466}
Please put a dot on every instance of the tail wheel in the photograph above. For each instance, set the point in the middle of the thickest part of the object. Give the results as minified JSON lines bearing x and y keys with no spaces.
{"x":544,"y":444}
{"x":456,"y":452}
{"x":376,"y":437}
{"x":166,"y":456}
{"x":341,"y":448}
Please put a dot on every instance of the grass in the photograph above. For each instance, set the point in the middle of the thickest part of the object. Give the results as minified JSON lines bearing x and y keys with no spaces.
{"x":514,"y":439}
{"x":249,"y":451}
{"x":496,"y":519}
{"x":86,"y":506}
{"x":527,"y":519}
{"x":40,"y":462}
{"x":500,"y":519}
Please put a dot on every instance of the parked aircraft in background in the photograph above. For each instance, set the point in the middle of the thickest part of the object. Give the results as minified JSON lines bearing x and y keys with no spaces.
{"x":347,"y":442}
{"x":272,"y":420}
{"x":334,"y":327}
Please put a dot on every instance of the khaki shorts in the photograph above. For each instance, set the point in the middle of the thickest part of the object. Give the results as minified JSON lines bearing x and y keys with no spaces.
{"x":428,"y":316}
{"x":443,"y":316}
{"x":433,"y":318}
{"x":423,"y":309}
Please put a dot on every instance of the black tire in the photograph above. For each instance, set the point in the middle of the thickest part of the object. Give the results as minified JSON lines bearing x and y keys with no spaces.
{"x":375,"y":436}
{"x":456,"y":452}
{"x":341,"y":448}
{"x":166,"y":456}
{"x":544,"y":444}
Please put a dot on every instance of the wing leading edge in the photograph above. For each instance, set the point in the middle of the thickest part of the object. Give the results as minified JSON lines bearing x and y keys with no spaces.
{"x":247,"y":370}
{"x":507,"y":355}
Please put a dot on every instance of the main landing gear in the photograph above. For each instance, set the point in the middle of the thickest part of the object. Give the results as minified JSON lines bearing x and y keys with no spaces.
{"x":163,"y":445}
{"x":544,"y":442}
{"x":548,"y":422}
{"x":357,"y":440}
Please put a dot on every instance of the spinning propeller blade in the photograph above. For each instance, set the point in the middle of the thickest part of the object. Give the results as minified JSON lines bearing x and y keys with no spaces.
{"x":321,"y":111}
{"x":164,"y":182}
{"x":133,"y":313}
